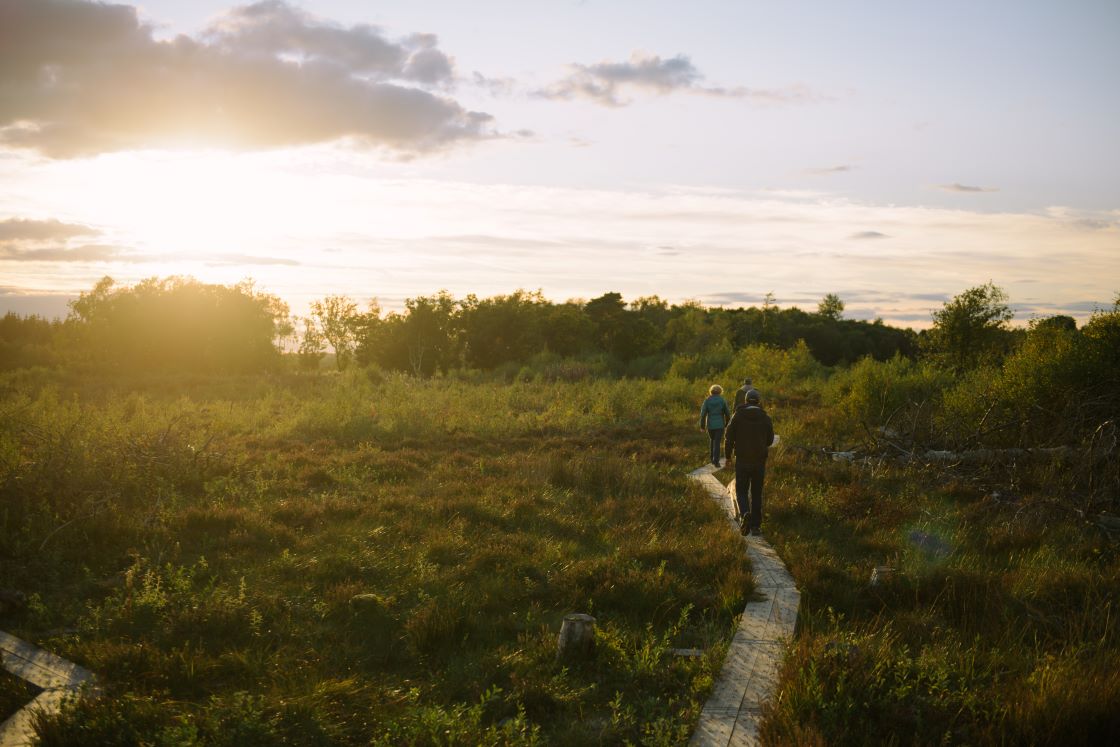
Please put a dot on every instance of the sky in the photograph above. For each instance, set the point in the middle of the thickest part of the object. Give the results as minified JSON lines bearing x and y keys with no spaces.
{"x":894,"y":152}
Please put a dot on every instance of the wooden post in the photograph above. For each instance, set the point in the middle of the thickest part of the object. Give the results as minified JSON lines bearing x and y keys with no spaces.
{"x":577,"y":638}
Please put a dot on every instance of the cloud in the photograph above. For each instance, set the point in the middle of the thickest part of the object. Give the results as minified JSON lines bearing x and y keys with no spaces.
{"x":218,"y":260}
{"x":26,"y":240}
{"x":493,"y":86}
{"x":868,"y":235}
{"x":957,"y":187}
{"x":843,"y":168}
{"x":604,"y":82}
{"x":272,"y":28}
{"x":83,"y":253}
{"x":82,"y":78}
{"x":21,"y":229}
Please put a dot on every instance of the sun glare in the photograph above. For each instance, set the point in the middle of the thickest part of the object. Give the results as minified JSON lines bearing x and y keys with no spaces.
{"x":198,"y":202}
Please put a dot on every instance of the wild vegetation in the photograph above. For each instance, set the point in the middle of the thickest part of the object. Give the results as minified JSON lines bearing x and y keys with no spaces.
{"x":251,"y":549}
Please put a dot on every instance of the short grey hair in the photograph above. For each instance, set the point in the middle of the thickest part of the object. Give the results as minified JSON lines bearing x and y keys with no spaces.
{"x":715,"y":389}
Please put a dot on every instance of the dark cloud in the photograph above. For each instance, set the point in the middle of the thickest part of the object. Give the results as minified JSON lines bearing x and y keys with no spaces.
{"x":868,"y":235}
{"x":19,"y":229}
{"x":957,"y":187}
{"x":274,"y":28}
{"x":605,"y":82}
{"x":80,"y":78}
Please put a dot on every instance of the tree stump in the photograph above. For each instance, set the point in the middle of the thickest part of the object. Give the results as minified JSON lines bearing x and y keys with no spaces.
{"x":576,"y":641}
{"x":880,"y":574}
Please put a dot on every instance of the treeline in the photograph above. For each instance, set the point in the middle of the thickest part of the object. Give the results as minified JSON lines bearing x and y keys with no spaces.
{"x":182,"y":324}
{"x":970,"y":380}
{"x":642,"y":337}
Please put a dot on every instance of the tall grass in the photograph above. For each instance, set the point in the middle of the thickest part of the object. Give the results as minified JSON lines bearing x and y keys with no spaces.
{"x":335,"y":559}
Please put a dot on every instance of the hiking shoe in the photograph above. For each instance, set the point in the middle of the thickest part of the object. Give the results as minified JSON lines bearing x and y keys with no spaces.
{"x":744,"y":528}
{"x":756,"y":532}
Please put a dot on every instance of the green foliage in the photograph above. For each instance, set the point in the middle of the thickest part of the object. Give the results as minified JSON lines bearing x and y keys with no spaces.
{"x":338,"y":320}
{"x":1057,"y":388}
{"x":831,"y":307}
{"x":703,"y":364}
{"x":900,"y":394}
{"x":970,"y":329}
{"x":458,"y":725}
{"x":30,"y":341}
{"x":501,"y":329}
{"x":790,"y":370}
{"x":311,"y":344}
{"x":178,"y":324}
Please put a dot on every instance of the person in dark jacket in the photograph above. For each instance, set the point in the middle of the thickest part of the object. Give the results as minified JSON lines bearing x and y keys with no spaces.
{"x":741,"y":393}
{"x":749,"y":436}
{"x":713,"y":418}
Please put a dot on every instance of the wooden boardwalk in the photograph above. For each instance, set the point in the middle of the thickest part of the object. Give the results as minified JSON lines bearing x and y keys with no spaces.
{"x":749,"y":676}
{"x":54,"y":675}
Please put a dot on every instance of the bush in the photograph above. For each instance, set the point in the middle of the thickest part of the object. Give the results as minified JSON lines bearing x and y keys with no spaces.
{"x":901,"y":394}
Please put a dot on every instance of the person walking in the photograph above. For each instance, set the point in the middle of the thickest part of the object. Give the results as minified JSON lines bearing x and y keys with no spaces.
{"x":741,"y":393}
{"x":713,"y":418}
{"x":749,"y":437}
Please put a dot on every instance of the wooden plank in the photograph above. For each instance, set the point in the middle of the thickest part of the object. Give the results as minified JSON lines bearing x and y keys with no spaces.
{"x":18,"y":730}
{"x":40,"y":668}
{"x":57,"y":676}
{"x":749,"y":676}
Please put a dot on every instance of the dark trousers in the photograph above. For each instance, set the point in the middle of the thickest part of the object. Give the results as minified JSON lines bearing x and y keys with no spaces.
{"x":748,"y":482}
{"x":716,"y":434}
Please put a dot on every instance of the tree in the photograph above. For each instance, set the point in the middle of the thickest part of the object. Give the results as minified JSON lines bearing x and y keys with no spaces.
{"x":625,"y":333}
{"x":310,"y":346}
{"x":831,"y":307}
{"x":503,"y":328}
{"x":430,"y":333}
{"x":1058,"y":321}
{"x":970,"y":329}
{"x":567,"y":329}
{"x":768,"y":311}
{"x":338,"y":321}
{"x":179,"y":323}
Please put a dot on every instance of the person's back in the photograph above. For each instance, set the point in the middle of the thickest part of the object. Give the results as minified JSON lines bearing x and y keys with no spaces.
{"x":742,"y":392}
{"x":713,"y":412}
{"x":713,"y":418}
{"x":750,"y":434}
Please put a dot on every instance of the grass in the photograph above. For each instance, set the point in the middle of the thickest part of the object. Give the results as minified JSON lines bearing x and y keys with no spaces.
{"x":340,"y":559}
{"x":369,"y":558}
{"x":997,"y":626}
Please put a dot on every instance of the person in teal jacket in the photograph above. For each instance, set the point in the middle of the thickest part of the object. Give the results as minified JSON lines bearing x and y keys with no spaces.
{"x":713,"y":418}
